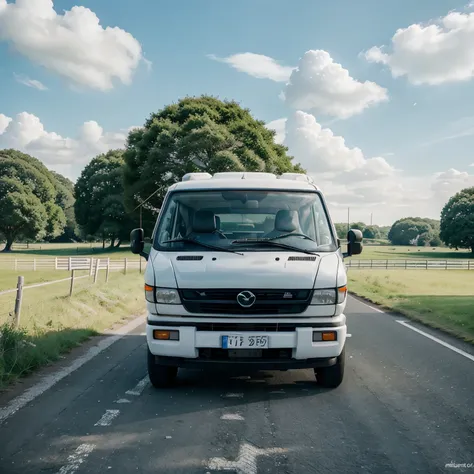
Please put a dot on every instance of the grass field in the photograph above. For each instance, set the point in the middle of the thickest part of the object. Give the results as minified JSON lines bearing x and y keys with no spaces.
{"x":9,"y":278}
{"x":390,"y":252}
{"x":444,"y":300}
{"x":52,"y":323}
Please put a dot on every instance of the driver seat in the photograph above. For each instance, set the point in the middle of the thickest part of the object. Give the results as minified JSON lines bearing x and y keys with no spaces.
{"x":286,"y":222}
{"x":204,"y":227}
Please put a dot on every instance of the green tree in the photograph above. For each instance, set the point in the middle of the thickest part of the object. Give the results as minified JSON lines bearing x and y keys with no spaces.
{"x":65,"y":199}
{"x":371,"y":232}
{"x":99,"y":203}
{"x":201,"y":134}
{"x":28,"y":207}
{"x":407,"y":231}
{"x":457,"y":220}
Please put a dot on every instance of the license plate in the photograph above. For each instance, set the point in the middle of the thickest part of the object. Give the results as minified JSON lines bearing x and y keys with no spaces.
{"x":244,"y":341}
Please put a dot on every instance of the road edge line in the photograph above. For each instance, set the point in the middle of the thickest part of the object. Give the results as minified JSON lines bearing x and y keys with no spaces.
{"x":435,"y":339}
{"x":52,"y":379}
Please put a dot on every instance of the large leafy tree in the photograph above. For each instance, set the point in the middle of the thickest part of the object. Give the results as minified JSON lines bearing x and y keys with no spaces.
{"x":65,"y":199}
{"x":457,"y":220}
{"x":28,"y":207}
{"x":408,"y":230}
{"x":201,"y":134}
{"x":99,"y":206}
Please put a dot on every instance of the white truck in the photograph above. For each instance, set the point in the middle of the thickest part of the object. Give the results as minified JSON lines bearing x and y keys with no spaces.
{"x":245,"y":269}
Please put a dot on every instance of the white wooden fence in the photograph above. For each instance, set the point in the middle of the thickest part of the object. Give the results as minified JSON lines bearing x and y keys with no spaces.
{"x":72,"y":263}
{"x":416,"y":264}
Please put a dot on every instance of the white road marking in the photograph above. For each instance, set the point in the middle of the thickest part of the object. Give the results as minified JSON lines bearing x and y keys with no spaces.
{"x":108,"y":417}
{"x":369,"y":306}
{"x":75,"y":460}
{"x":233,"y":395}
{"x":123,"y":400}
{"x":246,"y":462}
{"x":47,"y":382}
{"x":137,"y":391}
{"x":232,"y":417}
{"x":439,"y":341}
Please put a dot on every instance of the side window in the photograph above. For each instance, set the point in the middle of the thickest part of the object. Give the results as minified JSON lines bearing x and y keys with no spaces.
{"x":168,"y":224}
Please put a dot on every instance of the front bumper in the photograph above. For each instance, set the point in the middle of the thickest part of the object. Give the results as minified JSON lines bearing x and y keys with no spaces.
{"x":293,"y":347}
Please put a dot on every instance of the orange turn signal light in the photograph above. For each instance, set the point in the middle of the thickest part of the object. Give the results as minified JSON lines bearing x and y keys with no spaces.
{"x":149,"y":287}
{"x":328,"y":336}
{"x":163,"y":335}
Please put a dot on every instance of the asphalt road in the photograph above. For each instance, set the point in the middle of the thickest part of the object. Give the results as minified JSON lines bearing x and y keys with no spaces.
{"x":406,"y":405}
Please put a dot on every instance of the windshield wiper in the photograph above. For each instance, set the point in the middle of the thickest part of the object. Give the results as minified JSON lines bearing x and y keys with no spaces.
{"x":292,"y":234}
{"x":192,"y":241}
{"x":272,"y":243}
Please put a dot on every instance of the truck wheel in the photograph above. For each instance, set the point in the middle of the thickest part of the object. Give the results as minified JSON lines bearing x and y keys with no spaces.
{"x":161,"y":376}
{"x":331,"y":377}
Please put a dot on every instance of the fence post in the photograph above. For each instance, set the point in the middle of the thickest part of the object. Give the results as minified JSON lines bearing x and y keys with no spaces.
{"x":427,"y":264}
{"x":107,"y":271}
{"x":371,"y":263}
{"x":72,"y":282}
{"x":16,"y":264}
{"x":69,"y":266}
{"x":91,"y":265}
{"x":386,"y":264}
{"x":406,"y":262}
{"x":468,"y":264}
{"x":18,"y":300}
{"x":97,"y":264}
{"x":34,"y":264}
{"x":140,"y":257}
{"x":125,"y":266}
{"x":56,"y":263}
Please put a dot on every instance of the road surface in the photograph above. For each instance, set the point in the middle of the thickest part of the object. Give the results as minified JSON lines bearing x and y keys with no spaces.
{"x":406,"y":405}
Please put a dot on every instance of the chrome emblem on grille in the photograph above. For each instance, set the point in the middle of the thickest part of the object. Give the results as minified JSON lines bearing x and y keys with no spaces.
{"x":246,"y":299}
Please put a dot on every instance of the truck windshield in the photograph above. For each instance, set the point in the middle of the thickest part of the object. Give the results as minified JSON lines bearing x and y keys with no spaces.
{"x":244,"y":220}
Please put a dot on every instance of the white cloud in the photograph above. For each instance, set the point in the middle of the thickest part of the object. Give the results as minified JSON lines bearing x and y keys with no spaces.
{"x":257,"y":65}
{"x":4,"y":121}
{"x":26,"y":81}
{"x":435,"y":53}
{"x":279,"y":126}
{"x":67,"y":155}
{"x":367,"y":185}
{"x":319,"y":150}
{"x":73,"y":45}
{"x":325,"y":87}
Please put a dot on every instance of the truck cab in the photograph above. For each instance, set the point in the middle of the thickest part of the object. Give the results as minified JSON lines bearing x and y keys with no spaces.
{"x":245,"y":270}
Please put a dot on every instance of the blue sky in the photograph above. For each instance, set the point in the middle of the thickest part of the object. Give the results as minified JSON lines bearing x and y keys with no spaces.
{"x":411,"y":130}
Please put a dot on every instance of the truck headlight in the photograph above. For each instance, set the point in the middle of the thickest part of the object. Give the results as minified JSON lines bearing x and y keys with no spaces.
{"x":321,"y":297}
{"x":329,"y":296}
{"x":161,"y":295}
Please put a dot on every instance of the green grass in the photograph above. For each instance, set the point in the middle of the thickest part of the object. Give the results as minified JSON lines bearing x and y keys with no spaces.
{"x":68,"y":250}
{"x":9,"y":278}
{"x":52,"y":323}
{"x":391,"y":252}
{"x":443,"y":299}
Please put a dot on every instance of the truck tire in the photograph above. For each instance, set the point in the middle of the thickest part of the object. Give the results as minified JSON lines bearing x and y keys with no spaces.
{"x":331,"y":377}
{"x":161,"y":376}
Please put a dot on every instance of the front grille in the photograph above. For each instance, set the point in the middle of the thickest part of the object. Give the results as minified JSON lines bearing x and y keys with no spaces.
{"x":253,"y":327}
{"x":224,"y":354}
{"x":224,"y":301}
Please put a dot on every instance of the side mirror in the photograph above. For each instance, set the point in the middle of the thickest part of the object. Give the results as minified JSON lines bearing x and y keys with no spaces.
{"x":137,"y":242}
{"x":354,"y":243}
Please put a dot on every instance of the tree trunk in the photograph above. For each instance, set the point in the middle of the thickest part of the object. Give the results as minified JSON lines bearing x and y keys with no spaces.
{"x":117,"y":245}
{"x":112,"y":242}
{"x":8,"y":245}
{"x":103,"y":241}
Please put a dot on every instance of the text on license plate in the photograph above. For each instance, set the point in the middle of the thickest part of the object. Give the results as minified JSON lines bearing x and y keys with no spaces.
{"x":244,"y":341}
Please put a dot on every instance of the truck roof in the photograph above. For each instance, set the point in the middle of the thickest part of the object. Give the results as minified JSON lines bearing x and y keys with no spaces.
{"x":242,"y":180}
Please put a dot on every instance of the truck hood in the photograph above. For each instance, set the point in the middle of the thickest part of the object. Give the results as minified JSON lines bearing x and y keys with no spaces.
{"x":276,"y":270}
